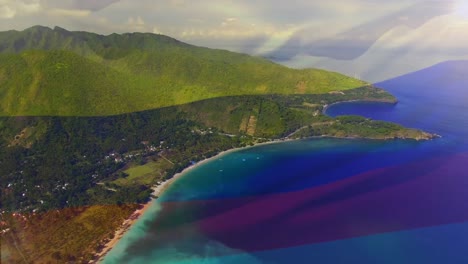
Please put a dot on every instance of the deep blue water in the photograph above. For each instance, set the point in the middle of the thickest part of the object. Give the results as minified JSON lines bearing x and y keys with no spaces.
{"x":327,"y":200}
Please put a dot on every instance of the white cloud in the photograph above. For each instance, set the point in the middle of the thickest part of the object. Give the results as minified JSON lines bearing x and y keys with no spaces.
{"x":137,"y":24}
{"x":402,"y":50}
{"x":461,"y":9}
{"x":12,"y":8}
{"x":7,"y":12}
{"x":138,"y":21}
{"x":156,"y":30}
{"x":69,"y":12}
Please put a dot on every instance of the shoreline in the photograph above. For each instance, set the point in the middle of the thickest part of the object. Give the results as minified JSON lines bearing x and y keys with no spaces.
{"x":161,"y":188}
{"x":120,"y":232}
{"x":158,"y":191}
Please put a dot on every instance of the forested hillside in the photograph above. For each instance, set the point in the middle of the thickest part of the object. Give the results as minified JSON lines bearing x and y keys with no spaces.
{"x":55,"y":72}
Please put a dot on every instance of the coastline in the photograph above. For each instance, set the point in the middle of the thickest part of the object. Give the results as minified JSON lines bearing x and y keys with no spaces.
{"x":158,"y":191}
{"x":161,"y":188}
{"x":120,"y":232}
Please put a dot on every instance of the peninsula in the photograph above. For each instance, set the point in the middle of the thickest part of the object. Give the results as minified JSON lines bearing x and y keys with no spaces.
{"x":90,"y":124}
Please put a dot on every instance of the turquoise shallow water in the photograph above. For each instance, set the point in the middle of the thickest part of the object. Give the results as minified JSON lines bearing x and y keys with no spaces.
{"x":324,"y":200}
{"x":241,"y":178}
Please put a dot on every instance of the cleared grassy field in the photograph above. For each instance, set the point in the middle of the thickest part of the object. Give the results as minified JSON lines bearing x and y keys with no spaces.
{"x":147,"y":174}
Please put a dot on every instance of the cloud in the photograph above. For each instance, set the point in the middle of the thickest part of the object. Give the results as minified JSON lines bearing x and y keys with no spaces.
{"x":156,"y":30}
{"x":12,"y":8}
{"x":93,"y":5}
{"x":137,"y":24}
{"x":6,"y":12}
{"x":354,"y":42}
{"x":401,"y":50}
{"x":138,"y":21}
{"x":229,"y":21}
{"x":69,"y":12}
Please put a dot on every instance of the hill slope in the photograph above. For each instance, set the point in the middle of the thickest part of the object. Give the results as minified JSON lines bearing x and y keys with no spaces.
{"x":85,"y":74}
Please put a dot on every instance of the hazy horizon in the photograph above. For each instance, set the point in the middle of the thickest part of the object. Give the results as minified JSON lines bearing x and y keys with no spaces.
{"x":373,"y":40}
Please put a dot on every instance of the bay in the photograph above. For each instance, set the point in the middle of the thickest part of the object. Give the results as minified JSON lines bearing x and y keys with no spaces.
{"x":326,"y":200}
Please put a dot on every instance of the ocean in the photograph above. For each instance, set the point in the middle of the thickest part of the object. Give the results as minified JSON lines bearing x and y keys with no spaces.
{"x":326,"y":200}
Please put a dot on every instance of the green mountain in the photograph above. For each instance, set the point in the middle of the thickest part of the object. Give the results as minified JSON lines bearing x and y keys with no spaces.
{"x":56,"y":72}
{"x":73,"y":135}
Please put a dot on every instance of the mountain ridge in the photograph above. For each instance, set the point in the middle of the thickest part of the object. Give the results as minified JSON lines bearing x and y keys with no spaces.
{"x":134,"y":72}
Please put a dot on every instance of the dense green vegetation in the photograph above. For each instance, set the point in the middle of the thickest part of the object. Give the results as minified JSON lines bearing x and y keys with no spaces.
{"x":89,"y":120}
{"x":61,"y":73}
{"x":56,"y":162}
{"x":276,"y":115}
{"x":74,"y":161}
{"x":359,"y":127}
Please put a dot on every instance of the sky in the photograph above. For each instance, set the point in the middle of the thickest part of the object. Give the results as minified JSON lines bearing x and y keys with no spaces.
{"x":370,"y":39}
